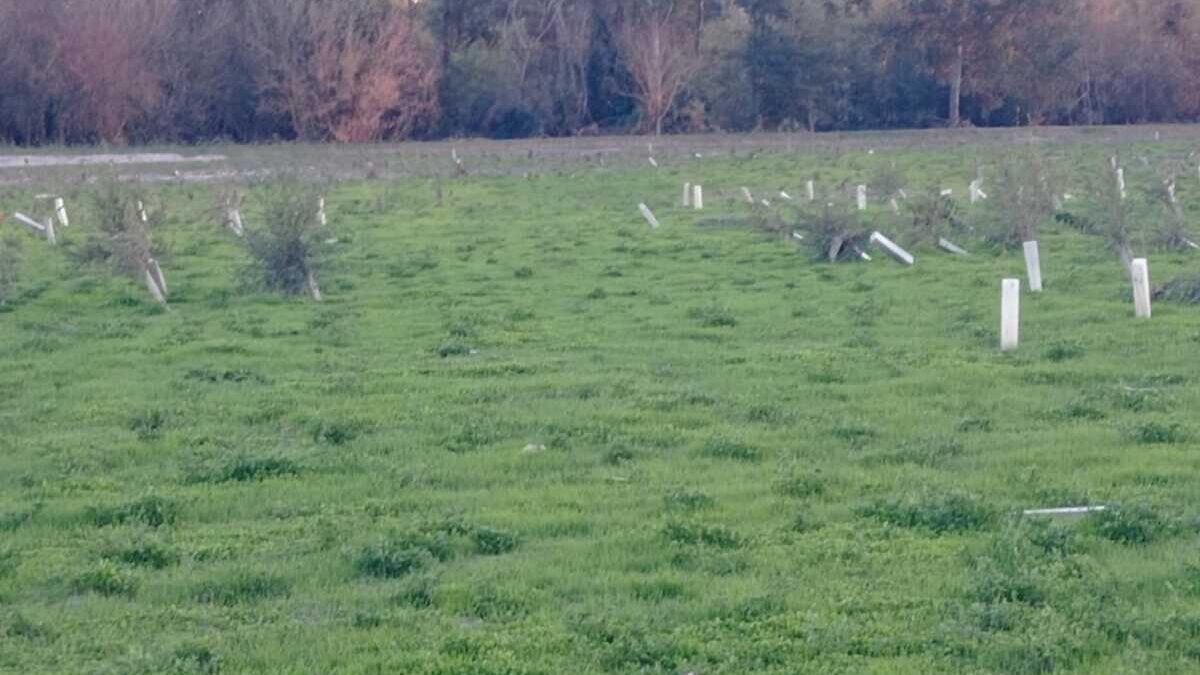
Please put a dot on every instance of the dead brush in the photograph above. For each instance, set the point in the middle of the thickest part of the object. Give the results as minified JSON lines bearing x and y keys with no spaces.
{"x":833,"y":234}
{"x":1183,"y":290}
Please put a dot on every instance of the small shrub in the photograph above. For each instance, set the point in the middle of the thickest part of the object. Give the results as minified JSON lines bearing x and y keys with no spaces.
{"x":453,"y":349}
{"x":938,"y":513}
{"x":217,"y":376}
{"x":1023,"y":200}
{"x":707,"y":535}
{"x":152,"y":511}
{"x":800,"y":486}
{"x":241,"y":588}
{"x":597,"y":294}
{"x":853,"y":432}
{"x":493,"y":541}
{"x":417,"y":591}
{"x":287,"y":252}
{"x":1064,"y":351}
{"x":925,"y":452}
{"x":998,"y":586}
{"x":1079,"y":410}
{"x":248,"y":469}
{"x":970,"y":424}
{"x":1184,"y":290}
{"x":410,"y":266}
{"x":17,"y":626}
{"x":719,"y":448}
{"x":1172,"y":230}
{"x":658,"y":590}
{"x":106,"y":579}
{"x":475,"y":435}
{"x":10,"y":267}
{"x":11,"y":520}
{"x":143,"y":554}
{"x":618,"y":456}
{"x":149,"y":424}
{"x":712,"y":316}
{"x":491,"y":603}
{"x":244,"y":470}
{"x":523,"y":273}
{"x":338,"y":432}
{"x":688,"y":500}
{"x":932,"y":216}
{"x":117,"y":237}
{"x":195,"y":658}
{"x":391,"y":560}
{"x":1155,"y":433}
{"x":1127,"y":525}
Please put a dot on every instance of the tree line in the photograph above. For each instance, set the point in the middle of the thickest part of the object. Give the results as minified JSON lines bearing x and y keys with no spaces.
{"x":136,"y":71}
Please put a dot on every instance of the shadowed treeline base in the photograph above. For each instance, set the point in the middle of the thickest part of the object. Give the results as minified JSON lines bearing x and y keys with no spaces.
{"x":120,"y":71}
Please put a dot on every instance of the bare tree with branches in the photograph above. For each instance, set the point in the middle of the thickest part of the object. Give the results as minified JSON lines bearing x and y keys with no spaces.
{"x":661,"y":57}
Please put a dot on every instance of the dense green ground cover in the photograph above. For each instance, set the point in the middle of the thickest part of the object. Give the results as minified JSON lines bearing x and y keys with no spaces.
{"x":752,"y":462}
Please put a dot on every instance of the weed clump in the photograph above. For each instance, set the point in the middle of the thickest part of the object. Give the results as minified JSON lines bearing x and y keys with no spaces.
{"x":142,"y":554}
{"x":719,"y":448}
{"x":391,"y":560}
{"x":241,"y":588}
{"x":245,"y":470}
{"x":412,"y":551}
{"x":339,"y":432}
{"x":453,"y":349}
{"x":18,"y":626}
{"x":688,"y":500}
{"x":696,"y":534}
{"x":1184,"y":290}
{"x":712,"y":316}
{"x":105,"y":579}
{"x":1157,"y":433}
{"x":1127,"y":525}
{"x":938,"y":513}
{"x":800,"y":485}
{"x":148,"y":424}
{"x":417,"y":591}
{"x":494,"y":541}
{"x":1064,"y":351}
{"x":152,"y":511}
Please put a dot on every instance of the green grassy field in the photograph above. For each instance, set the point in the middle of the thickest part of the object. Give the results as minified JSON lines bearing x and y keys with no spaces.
{"x":525,"y":433}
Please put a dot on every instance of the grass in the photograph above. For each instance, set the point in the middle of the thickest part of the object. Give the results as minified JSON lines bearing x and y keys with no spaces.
{"x":744,"y":460}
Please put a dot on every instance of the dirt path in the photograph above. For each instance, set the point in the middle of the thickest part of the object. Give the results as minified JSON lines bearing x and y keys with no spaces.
{"x":35,"y":161}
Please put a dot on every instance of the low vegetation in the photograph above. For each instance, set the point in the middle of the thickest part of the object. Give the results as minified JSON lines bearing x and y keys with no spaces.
{"x":526,"y":433}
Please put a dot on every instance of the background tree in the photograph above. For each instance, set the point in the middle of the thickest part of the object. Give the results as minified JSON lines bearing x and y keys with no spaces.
{"x":351,"y":71}
{"x":661,"y":57}
{"x":133,"y":71}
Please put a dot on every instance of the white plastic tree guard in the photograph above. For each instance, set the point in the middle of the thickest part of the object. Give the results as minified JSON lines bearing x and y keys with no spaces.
{"x":1141,"y":288}
{"x":1033,"y":266}
{"x":1010,"y":314}
{"x":648,"y":215}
